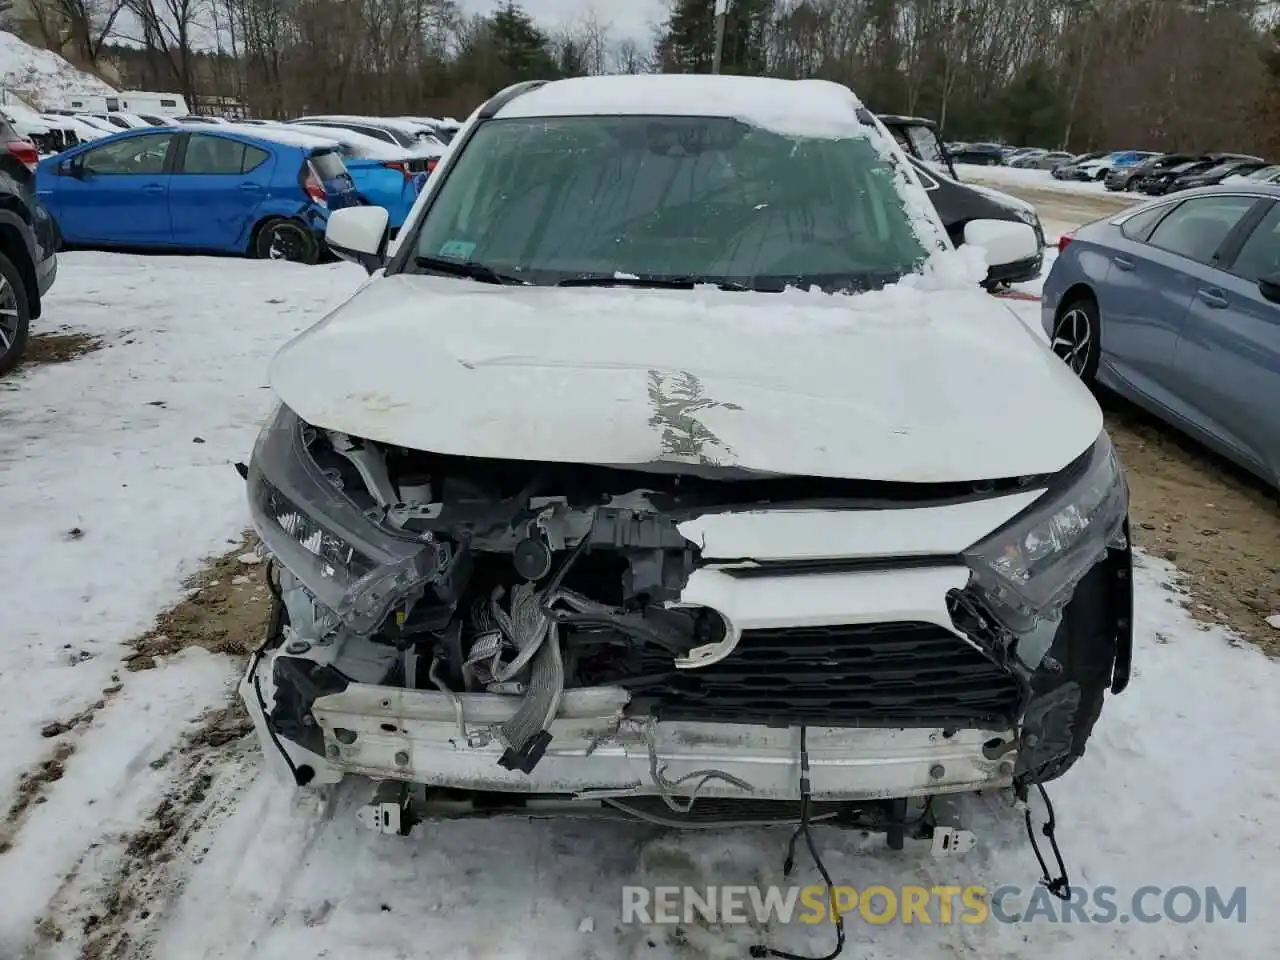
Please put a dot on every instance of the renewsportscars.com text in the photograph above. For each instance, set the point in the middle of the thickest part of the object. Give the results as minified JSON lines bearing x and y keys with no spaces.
{"x":970,"y":905}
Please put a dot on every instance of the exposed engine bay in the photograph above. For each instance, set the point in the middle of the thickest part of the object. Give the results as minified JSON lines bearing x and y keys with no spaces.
{"x":530,"y":593}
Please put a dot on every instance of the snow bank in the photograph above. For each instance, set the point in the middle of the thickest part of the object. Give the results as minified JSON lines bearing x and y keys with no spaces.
{"x":42,"y":77}
{"x":1039,"y":180}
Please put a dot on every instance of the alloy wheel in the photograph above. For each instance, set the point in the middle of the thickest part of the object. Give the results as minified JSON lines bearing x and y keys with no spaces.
{"x":1073,"y":339}
{"x":9,"y":319}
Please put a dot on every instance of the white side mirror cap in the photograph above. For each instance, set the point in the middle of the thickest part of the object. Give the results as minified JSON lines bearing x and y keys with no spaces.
{"x":1005,"y":241}
{"x":359,"y":234}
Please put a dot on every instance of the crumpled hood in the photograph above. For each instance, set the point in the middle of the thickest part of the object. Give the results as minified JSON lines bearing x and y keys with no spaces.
{"x":905,"y":384}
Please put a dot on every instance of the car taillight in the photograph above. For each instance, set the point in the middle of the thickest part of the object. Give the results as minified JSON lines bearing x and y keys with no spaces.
{"x":314,"y":188}
{"x":401,"y":166}
{"x":1063,"y":241}
{"x":432,"y":163}
{"x":25,"y":152}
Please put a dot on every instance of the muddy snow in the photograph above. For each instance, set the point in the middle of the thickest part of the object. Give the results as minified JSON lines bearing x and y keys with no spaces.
{"x":136,"y":820}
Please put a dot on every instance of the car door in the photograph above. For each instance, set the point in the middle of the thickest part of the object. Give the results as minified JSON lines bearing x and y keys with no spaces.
{"x":1228,"y":357}
{"x":219,"y":183}
{"x":1157,"y":262}
{"x":117,"y":193}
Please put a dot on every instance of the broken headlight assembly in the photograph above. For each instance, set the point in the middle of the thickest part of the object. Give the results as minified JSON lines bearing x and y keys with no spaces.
{"x":346,"y":560}
{"x":1029,"y":568}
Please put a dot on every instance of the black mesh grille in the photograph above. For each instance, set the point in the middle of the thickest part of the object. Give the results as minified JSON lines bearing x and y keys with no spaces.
{"x":878,"y":675}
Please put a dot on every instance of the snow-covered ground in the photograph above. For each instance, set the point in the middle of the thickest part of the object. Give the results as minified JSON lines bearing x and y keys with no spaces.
{"x":1038,"y":180}
{"x":42,"y":78}
{"x":117,"y":479}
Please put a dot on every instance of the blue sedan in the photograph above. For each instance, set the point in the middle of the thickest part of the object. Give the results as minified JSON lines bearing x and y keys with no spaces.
{"x":198,"y":189}
{"x":1175,"y":305}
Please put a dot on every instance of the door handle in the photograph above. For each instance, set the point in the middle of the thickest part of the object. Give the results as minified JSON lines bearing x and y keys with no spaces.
{"x":1123,"y":263}
{"x":251,"y":187}
{"x":153,"y":188}
{"x":1212,"y":297}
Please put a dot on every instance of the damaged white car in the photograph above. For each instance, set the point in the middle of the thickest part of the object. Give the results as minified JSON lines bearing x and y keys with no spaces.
{"x":673,"y":466}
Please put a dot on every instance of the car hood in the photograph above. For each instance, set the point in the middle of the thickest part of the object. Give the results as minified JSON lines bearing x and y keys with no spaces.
{"x":905,"y":384}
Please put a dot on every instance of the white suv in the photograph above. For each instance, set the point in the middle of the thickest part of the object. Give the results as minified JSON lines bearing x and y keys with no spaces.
{"x":673,"y":452}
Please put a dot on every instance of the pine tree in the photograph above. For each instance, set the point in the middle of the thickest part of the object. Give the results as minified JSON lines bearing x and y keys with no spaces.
{"x":688,"y":45}
{"x":523,"y":50}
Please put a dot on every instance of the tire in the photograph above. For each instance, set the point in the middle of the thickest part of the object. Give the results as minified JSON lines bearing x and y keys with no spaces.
{"x":284,"y":239}
{"x":15,"y":316}
{"x":1077,"y":337}
{"x":1101,"y":175}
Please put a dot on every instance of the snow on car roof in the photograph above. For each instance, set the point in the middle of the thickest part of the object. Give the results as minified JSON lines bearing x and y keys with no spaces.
{"x":369,"y":147}
{"x":410,"y":127}
{"x":801,"y":108}
{"x":276,"y":135}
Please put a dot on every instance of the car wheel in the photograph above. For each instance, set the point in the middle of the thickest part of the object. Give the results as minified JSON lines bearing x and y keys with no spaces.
{"x":1077,"y":337}
{"x":287,"y":240}
{"x":1100,"y":175}
{"x":15,"y":316}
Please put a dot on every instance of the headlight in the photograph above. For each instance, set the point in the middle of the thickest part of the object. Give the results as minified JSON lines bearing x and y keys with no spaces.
{"x":1029,"y":568}
{"x":351,"y":565}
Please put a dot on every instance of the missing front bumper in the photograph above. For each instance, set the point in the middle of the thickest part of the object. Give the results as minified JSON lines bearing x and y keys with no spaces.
{"x":595,"y":752}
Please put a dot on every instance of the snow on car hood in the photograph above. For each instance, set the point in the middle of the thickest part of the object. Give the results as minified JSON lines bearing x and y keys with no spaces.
{"x":905,"y":384}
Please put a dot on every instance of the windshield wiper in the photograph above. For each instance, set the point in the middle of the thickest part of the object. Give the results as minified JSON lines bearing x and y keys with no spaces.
{"x":466,"y":268}
{"x":657,"y":283}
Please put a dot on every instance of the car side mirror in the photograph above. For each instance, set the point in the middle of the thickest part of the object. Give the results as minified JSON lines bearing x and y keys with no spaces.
{"x":1270,"y":287}
{"x":359,"y":234}
{"x":1005,"y":241}
{"x":69,"y":168}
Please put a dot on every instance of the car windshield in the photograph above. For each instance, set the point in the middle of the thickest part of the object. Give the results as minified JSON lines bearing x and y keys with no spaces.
{"x":678,"y":199}
{"x":1266,"y":173}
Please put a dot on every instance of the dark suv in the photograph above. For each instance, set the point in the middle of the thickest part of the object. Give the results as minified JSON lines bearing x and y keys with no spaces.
{"x":957,"y":203}
{"x":28,"y":245}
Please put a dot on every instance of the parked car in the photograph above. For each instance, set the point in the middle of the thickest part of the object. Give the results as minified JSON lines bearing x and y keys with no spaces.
{"x":385,"y":176}
{"x":550,"y":586}
{"x":959,"y":203}
{"x":1097,"y":170}
{"x":1157,"y":184}
{"x":28,"y":247}
{"x":1176,"y":305}
{"x":1023,"y":156}
{"x":402,"y":133}
{"x":1216,"y":174}
{"x":265,"y":193}
{"x":1048,"y":160}
{"x":1268,"y":174}
{"x":1129,"y":177}
{"x":979,"y":154}
{"x":1067,"y":171}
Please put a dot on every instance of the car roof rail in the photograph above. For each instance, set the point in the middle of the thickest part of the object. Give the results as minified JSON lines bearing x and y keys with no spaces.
{"x":503,"y":97}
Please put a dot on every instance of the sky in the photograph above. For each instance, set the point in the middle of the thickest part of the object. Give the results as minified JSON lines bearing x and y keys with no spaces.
{"x":626,"y":18}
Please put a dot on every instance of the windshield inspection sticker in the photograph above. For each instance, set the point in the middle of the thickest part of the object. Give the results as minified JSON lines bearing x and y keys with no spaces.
{"x":462,"y":249}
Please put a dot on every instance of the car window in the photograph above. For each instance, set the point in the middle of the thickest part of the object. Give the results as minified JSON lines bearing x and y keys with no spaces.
{"x":209,"y":154}
{"x":1139,"y":226}
{"x":133,"y":155}
{"x":925,"y":142}
{"x":1260,"y":255}
{"x":254,"y":157}
{"x":1197,"y":228}
{"x":712,"y":199}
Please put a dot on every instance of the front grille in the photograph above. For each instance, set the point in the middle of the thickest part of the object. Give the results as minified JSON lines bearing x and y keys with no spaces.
{"x":858,"y":675}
